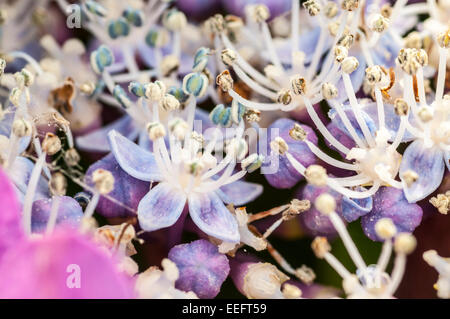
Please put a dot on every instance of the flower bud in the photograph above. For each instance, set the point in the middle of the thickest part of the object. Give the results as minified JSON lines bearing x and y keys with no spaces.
{"x":263,"y":280}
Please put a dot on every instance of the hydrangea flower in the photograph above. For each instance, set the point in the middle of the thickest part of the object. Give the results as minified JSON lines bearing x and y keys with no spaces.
{"x":183,"y":178}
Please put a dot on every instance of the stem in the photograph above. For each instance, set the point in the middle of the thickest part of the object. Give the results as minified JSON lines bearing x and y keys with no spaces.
{"x":56,"y":201}
{"x":441,"y":75}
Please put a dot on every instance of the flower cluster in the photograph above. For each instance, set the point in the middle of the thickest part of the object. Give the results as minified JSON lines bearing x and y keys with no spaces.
{"x":127,"y":128}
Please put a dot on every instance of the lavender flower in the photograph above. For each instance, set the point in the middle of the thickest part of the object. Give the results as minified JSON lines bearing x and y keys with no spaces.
{"x":202,"y":268}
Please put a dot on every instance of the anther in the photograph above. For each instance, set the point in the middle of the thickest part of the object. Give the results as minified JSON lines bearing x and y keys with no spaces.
{"x":329,"y":91}
{"x":325,"y":203}
{"x":279,"y":146}
{"x":225,"y":81}
{"x":385,"y":228}
{"x":58,"y":184}
{"x":103,"y":181}
{"x":298,"y":133}
{"x":405,"y":243}
{"x":316,"y":175}
{"x":349,"y":64}
{"x":51,"y":144}
{"x":401,"y":107}
{"x":298,"y":85}
{"x":284,"y":97}
{"x":320,"y":247}
{"x":312,"y":6}
{"x":155,"y":130}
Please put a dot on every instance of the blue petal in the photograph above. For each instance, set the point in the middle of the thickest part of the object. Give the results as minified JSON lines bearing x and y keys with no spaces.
{"x":307,"y":44}
{"x":69,"y":213}
{"x":20,"y":173}
{"x":240,"y":192}
{"x":210,"y":214}
{"x":97,"y":140}
{"x":352,"y":209}
{"x":428,"y":163}
{"x":161,"y":207}
{"x":133,"y":159}
{"x":392,"y":120}
{"x":386,"y":51}
{"x":336,"y":119}
{"x":5,"y":129}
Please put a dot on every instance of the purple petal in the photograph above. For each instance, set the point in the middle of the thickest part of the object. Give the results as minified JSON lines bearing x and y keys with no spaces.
{"x":202,"y":268}
{"x":392,"y":120}
{"x":127,"y":189}
{"x":240,"y":192}
{"x":210,"y":214}
{"x":20,"y":173}
{"x":161,"y":207}
{"x":341,"y":136}
{"x":133,"y":159}
{"x":276,"y":7}
{"x":69,"y":213}
{"x":391,"y":203}
{"x":428,"y":163}
{"x":97,"y":140}
{"x":336,"y":119}
{"x":352,"y":209}
{"x":47,"y":268}
{"x":313,"y":221}
{"x":285,"y":175}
